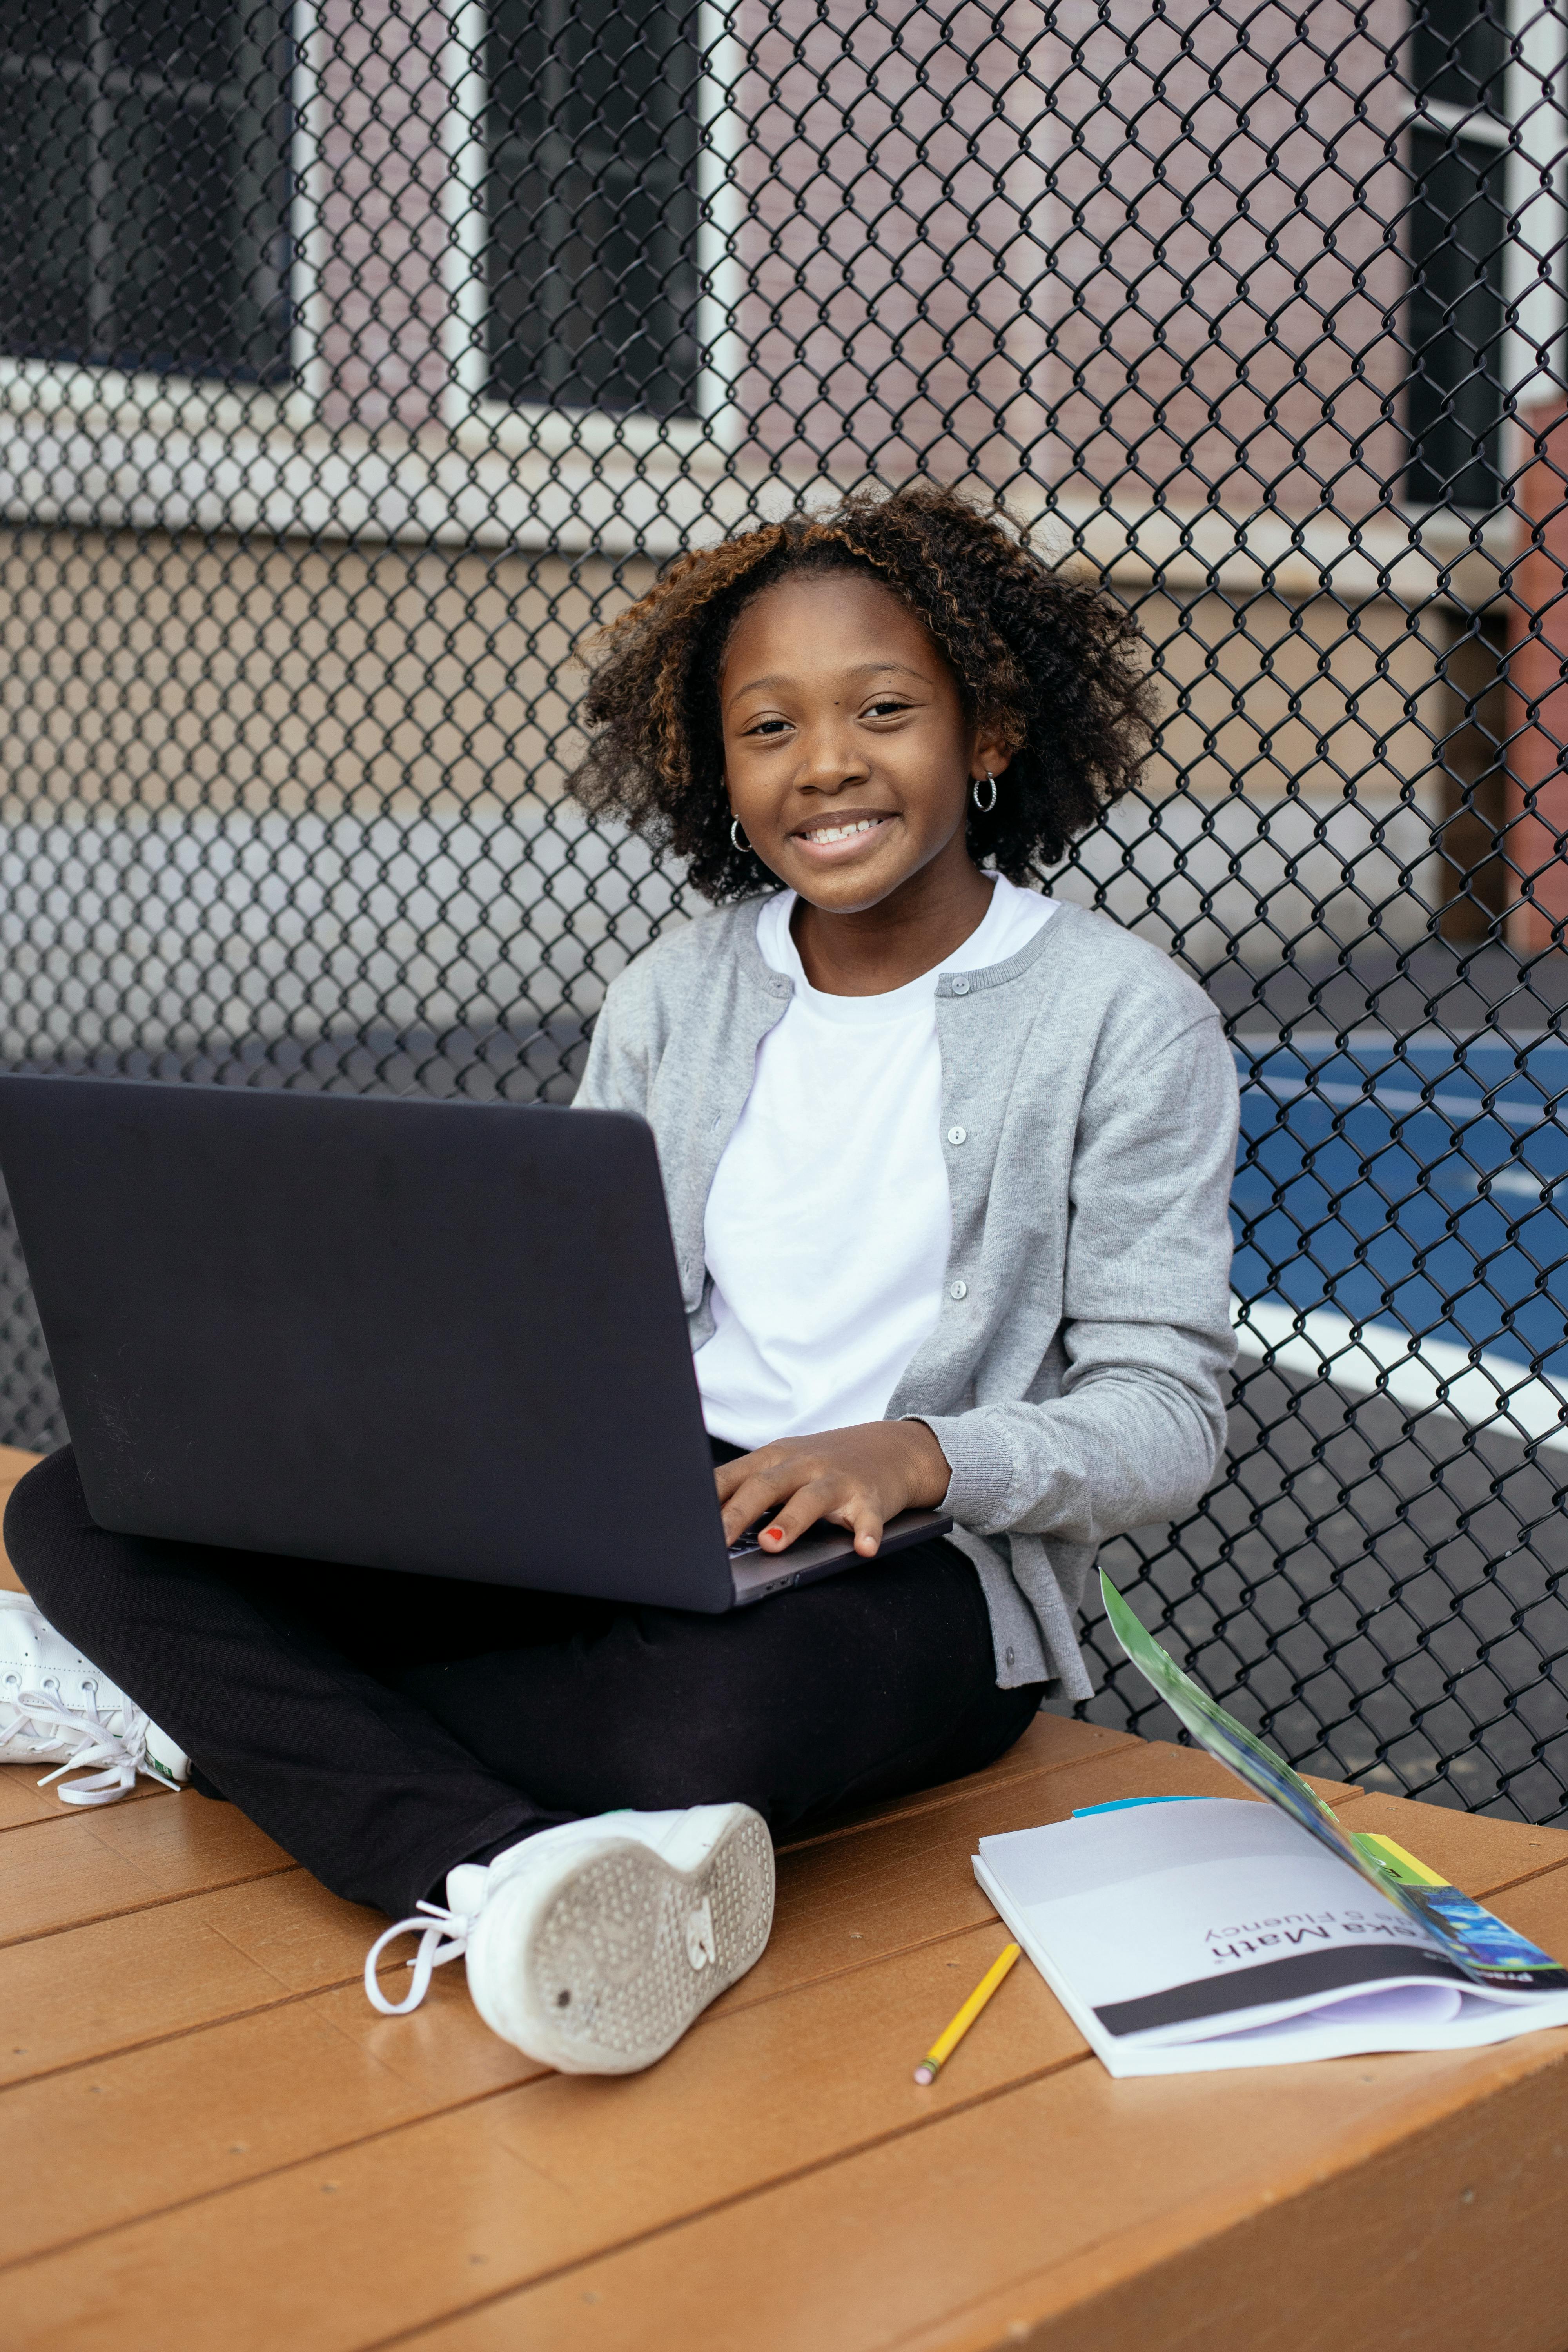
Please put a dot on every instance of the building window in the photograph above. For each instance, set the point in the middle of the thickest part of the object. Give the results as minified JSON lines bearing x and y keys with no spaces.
{"x":591,"y":204}
{"x":1458,"y":235}
{"x":144,"y":177}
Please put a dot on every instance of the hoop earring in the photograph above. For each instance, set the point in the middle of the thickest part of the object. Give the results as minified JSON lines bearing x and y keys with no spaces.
{"x":738,"y":840}
{"x":985,"y":807}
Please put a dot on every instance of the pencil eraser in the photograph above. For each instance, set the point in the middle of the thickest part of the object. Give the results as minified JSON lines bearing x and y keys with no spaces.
{"x":924,"y":2075}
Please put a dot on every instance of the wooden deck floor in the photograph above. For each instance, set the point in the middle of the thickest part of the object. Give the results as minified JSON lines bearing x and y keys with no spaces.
{"x":212,"y":2141}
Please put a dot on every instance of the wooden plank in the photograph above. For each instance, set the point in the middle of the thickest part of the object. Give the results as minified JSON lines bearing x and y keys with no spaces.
{"x":169,"y":2124}
{"x":169,"y":1983}
{"x":1472,"y":1851}
{"x":187,"y":1961}
{"x":831,"y":2203}
{"x":95,"y":1864}
{"x":1462,"y":2219}
{"x":23,"y":1984}
{"x":119,"y":1983}
{"x":853,"y":2030}
{"x":22,"y":1804}
{"x":168,"y":1958}
{"x":1345,"y":2207}
{"x":1535,"y":1910}
{"x":14,"y":1464}
{"x":1441,"y":2230}
{"x":265,"y":2082}
{"x":187,"y":1964}
{"x":204,"y":1981}
{"x":844,"y":1901}
{"x":522,"y":2182}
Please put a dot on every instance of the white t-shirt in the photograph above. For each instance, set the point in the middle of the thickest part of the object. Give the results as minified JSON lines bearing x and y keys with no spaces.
{"x":829,"y":1223}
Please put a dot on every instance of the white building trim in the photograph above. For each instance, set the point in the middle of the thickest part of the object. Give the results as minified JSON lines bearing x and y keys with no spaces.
{"x":510,"y":428}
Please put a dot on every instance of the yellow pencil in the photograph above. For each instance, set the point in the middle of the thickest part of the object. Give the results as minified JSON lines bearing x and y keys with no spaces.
{"x":942,"y":2048}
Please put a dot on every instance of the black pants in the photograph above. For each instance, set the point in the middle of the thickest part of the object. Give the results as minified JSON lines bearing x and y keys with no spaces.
{"x":384,"y":1728}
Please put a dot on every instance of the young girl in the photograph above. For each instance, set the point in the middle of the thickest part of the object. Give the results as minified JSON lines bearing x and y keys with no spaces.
{"x":947,"y":1165}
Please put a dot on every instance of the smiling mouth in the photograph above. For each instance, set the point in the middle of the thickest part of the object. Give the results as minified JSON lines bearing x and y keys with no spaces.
{"x":844,"y":832}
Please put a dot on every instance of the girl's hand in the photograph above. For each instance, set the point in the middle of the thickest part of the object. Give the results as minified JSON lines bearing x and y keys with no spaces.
{"x":858,"y":1478}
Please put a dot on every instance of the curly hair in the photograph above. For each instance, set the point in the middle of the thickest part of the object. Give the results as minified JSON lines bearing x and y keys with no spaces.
{"x":1048,"y":663}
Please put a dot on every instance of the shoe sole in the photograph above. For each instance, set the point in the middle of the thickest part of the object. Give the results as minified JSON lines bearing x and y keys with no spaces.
{"x":608,"y":1978}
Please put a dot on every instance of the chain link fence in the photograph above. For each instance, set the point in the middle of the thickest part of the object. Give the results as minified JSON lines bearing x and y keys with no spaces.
{"x":358,"y":356}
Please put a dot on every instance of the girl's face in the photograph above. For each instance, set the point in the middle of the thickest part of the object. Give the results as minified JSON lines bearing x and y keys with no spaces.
{"x":847,"y":757}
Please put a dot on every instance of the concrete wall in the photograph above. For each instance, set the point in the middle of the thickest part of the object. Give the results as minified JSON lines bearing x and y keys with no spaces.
{"x":142,"y":671}
{"x":264,"y":790}
{"x":1300,"y":784}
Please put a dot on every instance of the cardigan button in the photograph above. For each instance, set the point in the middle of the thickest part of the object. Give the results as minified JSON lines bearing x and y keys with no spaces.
{"x":958,"y":1135}
{"x":958,"y":1290}
{"x":961,"y":986}
{"x":1009,"y":1658}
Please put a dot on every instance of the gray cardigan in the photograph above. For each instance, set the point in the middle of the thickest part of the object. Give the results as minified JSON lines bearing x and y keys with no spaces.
{"x":1089,"y":1110}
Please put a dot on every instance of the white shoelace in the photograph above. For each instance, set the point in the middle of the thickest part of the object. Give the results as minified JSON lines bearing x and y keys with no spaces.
{"x":95,"y":1745}
{"x":443,"y":1936}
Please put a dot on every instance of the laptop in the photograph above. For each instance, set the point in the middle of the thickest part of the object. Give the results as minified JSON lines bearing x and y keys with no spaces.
{"x":439,"y":1337}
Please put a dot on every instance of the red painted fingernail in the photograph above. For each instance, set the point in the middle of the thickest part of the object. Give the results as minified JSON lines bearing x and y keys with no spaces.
{"x":772,"y":1531}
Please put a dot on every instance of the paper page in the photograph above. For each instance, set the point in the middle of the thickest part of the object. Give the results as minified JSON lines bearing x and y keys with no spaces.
{"x":1488,"y":1952}
{"x":1103,"y":1942}
{"x":1176,"y":1931}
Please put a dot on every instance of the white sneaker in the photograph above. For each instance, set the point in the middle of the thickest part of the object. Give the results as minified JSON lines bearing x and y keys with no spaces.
{"x":592,"y":1947}
{"x":56,"y":1709}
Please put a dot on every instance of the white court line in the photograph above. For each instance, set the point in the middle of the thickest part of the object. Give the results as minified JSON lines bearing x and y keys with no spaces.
{"x":1495,"y":1393}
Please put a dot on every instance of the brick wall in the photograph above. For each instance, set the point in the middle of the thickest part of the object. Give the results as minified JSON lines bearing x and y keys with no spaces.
{"x":1001,"y":239}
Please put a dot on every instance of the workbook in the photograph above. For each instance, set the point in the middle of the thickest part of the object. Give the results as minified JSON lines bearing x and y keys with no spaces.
{"x":1184,"y":1934}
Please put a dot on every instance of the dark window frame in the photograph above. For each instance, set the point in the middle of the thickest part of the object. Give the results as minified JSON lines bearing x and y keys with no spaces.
{"x":591,"y":205}
{"x":1456,"y":238}
{"x":95,"y":277}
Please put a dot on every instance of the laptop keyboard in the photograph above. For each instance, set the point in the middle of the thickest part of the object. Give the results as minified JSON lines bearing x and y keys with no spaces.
{"x":745,"y":1544}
